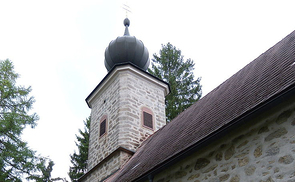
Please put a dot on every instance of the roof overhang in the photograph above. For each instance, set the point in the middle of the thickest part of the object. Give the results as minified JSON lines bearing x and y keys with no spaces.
{"x":281,"y":97}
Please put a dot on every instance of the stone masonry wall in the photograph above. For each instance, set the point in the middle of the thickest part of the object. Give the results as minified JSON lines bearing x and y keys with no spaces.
{"x":104,"y":170}
{"x":136,"y":93}
{"x":104,"y":104}
{"x":260,"y":151}
{"x":122,"y":100}
{"x":108,"y":168}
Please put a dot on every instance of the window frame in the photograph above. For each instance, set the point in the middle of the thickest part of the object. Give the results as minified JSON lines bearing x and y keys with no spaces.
{"x":103,"y":118}
{"x":148,"y":111}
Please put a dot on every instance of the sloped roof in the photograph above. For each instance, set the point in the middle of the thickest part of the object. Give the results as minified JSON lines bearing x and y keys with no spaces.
{"x":262,"y":79}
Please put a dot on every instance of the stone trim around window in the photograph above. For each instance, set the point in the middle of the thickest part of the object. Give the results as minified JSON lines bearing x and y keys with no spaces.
{"x":147,"y":118}
{"x":103,"y":126}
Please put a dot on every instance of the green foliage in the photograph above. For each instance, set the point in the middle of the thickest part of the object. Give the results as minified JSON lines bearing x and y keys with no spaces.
{"x":17,"y":161}
{"x":170,"y":66}
{"x":79,"y":160}
{"x":46,"y":170}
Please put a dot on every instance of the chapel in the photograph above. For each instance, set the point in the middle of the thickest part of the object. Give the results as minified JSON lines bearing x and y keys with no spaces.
{"x":243,"y":130}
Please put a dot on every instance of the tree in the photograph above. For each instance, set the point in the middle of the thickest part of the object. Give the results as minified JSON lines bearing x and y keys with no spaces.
{"x":170,"y":66}
{"x":16,"y":159}
{"x":79,"y":160}
{"x":46,"y":170}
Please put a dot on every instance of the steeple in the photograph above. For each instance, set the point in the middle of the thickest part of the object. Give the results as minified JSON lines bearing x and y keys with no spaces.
{"x":127,"y":106}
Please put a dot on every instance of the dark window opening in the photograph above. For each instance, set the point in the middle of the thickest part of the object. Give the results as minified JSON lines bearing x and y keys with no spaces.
{"x":103,"y":127}
{"x":148,"y":120}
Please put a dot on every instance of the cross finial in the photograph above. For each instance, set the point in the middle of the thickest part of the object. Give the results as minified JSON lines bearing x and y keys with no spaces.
{"x":127,"y":9}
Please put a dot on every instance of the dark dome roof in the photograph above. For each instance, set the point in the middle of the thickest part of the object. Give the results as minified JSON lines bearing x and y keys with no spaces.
{"x":126,"y":49}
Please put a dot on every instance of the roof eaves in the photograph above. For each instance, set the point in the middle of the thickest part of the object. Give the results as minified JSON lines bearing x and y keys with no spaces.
{"x":273,"y":101}
{"x":113,"y":69}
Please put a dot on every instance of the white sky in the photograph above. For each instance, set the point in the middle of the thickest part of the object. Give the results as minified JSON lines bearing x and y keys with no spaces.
{"x":58,"y":46}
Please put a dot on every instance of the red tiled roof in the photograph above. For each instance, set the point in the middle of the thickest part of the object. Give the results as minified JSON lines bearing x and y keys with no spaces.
{"x":265,"y":77}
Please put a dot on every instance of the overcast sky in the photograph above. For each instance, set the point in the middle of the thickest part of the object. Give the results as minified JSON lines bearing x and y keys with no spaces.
{"x":58,"y":46}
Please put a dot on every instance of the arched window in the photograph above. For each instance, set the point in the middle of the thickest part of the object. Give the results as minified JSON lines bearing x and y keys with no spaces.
{"x":103,"y":126}
{"x":147,"y":118}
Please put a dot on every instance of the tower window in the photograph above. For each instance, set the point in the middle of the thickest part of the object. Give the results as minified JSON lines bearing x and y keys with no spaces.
{"x":103,"y":126}
{"x":147,"y":118}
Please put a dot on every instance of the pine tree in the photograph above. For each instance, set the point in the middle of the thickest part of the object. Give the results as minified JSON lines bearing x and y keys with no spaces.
{"x":170,"y":66}
{"x":16,"y":159}
{"x":79,"y":160}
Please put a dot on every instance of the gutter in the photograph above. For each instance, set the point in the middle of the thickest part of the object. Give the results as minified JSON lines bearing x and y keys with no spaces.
{"x":262,"y":107}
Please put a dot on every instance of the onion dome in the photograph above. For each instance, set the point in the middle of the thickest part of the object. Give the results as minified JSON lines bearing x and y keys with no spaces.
{"x":126,"y":49}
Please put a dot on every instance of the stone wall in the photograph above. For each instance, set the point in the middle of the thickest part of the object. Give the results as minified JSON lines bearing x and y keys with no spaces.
{"x":122,"y":99}
{"x":104,"y":104}
{"x":261,"y":151}
{"x":135,"y":93}
{"x":104,"y":170}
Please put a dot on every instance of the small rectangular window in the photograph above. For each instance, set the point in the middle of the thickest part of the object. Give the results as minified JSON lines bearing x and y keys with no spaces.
{"x":103,"y":127}
{"x":147,"y":120}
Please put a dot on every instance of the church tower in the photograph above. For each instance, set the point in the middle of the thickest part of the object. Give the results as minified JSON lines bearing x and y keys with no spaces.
{"x":127,"y":106}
